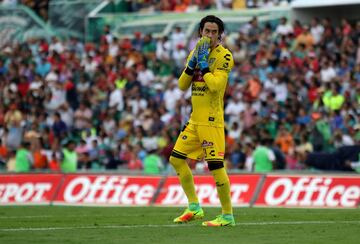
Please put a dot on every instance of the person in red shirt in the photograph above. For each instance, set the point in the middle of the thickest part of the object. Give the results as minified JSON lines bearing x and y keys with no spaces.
{"x":313,"y":62}
{"x":298,"y":29}
{"x":23,"y":86}
{"x":54,"y":163}
{"x":346,"y":27}
{"x":3,"y":154}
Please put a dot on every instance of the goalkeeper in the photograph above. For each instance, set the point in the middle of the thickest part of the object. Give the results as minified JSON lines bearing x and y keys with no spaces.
{"x":203,"y":136}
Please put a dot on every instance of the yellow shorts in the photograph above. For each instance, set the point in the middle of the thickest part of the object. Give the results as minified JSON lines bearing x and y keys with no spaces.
{"x":201,"y":142}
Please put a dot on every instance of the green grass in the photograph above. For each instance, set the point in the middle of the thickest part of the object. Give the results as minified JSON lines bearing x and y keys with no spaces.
{"x":55,"y":224}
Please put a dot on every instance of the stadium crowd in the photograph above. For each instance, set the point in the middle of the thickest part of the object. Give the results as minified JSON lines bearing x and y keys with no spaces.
{"x":41,"y":6}
{"x":294,"y":92}
{"x":199,"y":5}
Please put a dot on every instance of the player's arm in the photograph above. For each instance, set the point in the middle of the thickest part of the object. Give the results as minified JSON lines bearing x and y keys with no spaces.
{"x":187,"y":75}
{"x":184,"y":81}
{"x":217,"y":79}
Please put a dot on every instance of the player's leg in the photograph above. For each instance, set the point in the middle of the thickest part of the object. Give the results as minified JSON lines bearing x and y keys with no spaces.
{"x":214,"y":149}
{"x":187,"y":143}
{"x":222,"y":182}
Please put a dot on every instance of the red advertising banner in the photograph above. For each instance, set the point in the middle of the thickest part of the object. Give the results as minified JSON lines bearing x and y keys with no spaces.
{"x":242,"y":190}
{"x":28,"y":188}
{"x":117,"y":190}
{"x":107,"y":190}
{"x":310,"y":191}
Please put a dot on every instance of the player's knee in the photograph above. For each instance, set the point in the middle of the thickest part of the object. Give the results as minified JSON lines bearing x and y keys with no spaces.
{"x":175,"y":158}
{"x":213,"y":165}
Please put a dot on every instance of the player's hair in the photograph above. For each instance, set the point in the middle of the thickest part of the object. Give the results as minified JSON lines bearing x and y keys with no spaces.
{"x":212,"y":19}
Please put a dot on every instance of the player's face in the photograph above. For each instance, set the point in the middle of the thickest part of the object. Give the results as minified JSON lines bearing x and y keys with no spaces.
{"x":211,"y":30}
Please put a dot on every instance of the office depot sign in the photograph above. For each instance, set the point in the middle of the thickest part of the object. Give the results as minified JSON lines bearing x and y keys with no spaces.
{"x":310,"y":191}
{"x":242,"y":190}
{"x":107,"y":190}
{"x":31,"y":189}
{"x":121,"y":190}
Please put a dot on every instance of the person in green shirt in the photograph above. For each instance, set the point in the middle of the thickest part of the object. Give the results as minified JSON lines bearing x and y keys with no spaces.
{"x":263,"y":157}
{"x":23,"y":158}
{"x":69,"y":158}
{"x":332,"y":99}
{"x":153,"y":163}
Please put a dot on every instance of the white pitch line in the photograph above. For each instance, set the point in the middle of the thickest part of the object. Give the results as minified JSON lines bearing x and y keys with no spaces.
{"x":25,"y":217}
{"x":75,"y":216}
{"x":171,"y":226}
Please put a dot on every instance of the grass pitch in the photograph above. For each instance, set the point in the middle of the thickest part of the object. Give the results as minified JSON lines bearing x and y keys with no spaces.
{"x":58,"y":224}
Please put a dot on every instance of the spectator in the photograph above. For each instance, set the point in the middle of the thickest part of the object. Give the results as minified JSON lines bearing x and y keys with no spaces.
{"x":285,"y":141}
{"x":59,"y":127}
{"x":305,"y":38}
{"x":328,"y":72}
{"x":296,"y":79}
{"x":13,"y":119}
{"x":23,"y":159}
{"x":153,"y":163}
{"x":316,"y":30}
{"x":11,"y":162}
{"x":4,"y":154}
{"x":82,"y":117}
{"x":177,"y":38}
{"x":233,"y":109}
{"x":67,"y":115}
{"x":263,"y":157}
{"x":82,"y":150}
{"x":54,"y":164}
{"x":69,"y":157}
{"x":171,"y":97}
{"x":94,"y":155}
{"x":42,"y":66}
{"x":284,"y":29}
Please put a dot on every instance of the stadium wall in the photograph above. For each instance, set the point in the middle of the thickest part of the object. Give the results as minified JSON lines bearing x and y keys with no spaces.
{"x":259,"y":190}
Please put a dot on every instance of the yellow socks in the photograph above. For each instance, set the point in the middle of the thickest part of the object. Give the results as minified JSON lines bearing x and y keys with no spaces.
{"x":186,"y":178}
{"x":187,"y":182}
{"x":223,"y":189}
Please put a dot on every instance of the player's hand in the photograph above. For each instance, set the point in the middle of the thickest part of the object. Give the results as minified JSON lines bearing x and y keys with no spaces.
{"x":193,"y":60}
{"x":203,"y":46}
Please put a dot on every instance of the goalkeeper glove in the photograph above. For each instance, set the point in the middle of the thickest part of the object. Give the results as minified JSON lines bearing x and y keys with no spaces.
{"x":203,"y":52}
{"x":193,"y":61}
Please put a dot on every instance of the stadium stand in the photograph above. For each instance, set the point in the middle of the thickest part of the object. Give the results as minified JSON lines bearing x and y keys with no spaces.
{"x":295,"y":85}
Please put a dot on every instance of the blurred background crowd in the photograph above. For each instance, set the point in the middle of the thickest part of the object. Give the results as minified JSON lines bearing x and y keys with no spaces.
{"x":41,"y":6}
{"x":292,"y":100}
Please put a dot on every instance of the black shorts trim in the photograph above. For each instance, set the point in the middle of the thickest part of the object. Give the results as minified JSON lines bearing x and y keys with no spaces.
{"x":214,"y":160}
{"x":215,"y":165}
{"x":178,"y":154}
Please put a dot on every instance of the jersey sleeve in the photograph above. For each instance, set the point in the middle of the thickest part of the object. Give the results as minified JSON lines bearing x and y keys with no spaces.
{"x":185,"y":79}
{"x":225,"y":63}
{"x":218,"y":78}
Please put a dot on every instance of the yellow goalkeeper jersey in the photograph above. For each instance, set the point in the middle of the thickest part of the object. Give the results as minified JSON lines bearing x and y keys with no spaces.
{"x":207,"y":96}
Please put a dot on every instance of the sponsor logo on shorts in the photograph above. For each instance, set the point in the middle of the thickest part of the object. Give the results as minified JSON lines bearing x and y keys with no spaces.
{"x":221,"y":154}
{"x":207,"y":143}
